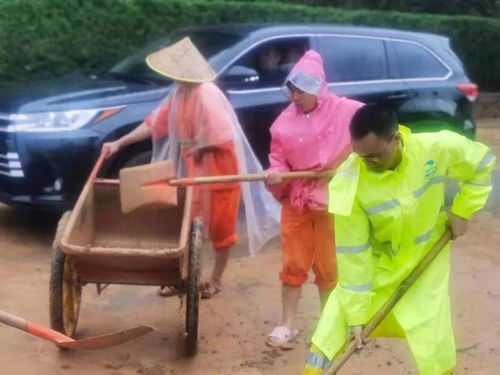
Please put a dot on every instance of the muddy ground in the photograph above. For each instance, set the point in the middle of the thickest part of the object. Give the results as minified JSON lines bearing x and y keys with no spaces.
{"x":233,"y":325}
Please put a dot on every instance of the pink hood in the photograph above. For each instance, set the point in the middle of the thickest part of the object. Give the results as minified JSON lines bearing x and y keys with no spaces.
{"x":317,"y":141}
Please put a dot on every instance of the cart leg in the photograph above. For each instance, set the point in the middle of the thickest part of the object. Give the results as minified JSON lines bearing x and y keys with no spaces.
{"x":193,"y":289}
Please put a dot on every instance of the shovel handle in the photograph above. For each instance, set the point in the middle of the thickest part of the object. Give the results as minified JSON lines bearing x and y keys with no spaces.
{"x":247,"y":178}
{"x":33,"y":328}
{"x":13,"y":321}
{"x":351,"y":347}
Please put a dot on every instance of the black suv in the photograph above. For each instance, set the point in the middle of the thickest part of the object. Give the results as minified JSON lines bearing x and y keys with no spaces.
{"x":51,"y":132}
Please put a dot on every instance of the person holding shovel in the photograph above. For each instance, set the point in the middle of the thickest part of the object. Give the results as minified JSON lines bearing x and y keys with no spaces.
{"x":197,"y":128}
{"x":310,"y":134}
{"x":388,"y":199}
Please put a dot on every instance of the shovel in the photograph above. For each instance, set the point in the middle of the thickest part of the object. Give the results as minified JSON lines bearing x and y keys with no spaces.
{"x":147,"y":185}
{"x":350,"y":348}
{"x":153,"y":184}
{"x":61,"y":340}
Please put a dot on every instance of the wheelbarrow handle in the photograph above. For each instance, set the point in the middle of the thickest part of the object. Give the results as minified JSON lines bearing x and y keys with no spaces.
{"x":247,"y":178}
{"x":104,"y":154}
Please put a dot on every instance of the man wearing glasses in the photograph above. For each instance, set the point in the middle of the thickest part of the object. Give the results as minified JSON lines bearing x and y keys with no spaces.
{"x":388,"y":200}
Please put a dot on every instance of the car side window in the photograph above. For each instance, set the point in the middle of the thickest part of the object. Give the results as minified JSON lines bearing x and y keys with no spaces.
{"x":349,"y":59}
{"x":416,"y":61}
{"x":265,"y":66}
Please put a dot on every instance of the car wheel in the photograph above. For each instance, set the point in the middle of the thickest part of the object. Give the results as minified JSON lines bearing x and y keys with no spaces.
{"x":139,"y":159}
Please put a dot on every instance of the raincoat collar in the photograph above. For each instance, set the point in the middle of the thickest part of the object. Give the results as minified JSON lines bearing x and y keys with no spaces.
{"x":344,"y":185}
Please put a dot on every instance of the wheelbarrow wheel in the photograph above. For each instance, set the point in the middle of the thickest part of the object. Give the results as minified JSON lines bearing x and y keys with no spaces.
{"x":193,"y":289}
{"x":65,"y":290}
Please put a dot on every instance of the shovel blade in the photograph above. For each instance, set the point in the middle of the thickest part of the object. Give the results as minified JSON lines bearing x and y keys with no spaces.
{"x":147,"y":186}
{"x":106,"y":341}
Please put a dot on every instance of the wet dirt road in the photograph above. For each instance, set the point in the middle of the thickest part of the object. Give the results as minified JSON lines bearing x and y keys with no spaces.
{"x":233,"y":325}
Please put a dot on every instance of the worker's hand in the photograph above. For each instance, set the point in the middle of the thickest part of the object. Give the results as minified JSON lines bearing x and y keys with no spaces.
{"x":113,"y":147}
{"x":355,"y":333}
{"x":458,"y":225}
{"x":273,"y":178}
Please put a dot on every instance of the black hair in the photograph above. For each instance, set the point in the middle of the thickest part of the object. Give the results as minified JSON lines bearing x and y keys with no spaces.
{"x":373,"y":118}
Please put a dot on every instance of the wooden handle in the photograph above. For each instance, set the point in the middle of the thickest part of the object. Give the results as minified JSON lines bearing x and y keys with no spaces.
{"x":247,"y":178}
{"x":13,"y":321}
{"x":104,"y":154}
{"x":350,"y":348}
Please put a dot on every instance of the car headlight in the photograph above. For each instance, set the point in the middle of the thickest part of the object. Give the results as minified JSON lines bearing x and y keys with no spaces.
{"x":58,"y":121}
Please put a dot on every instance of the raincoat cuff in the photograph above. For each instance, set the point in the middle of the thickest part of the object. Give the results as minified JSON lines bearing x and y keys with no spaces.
{"x":462,"y":211}
{"x":356,"y":306}
{"x":357,"y":319}
{"x":277,"y":191}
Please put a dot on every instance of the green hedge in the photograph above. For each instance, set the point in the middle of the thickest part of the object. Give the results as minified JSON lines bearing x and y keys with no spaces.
{"x":47,"y":38}
{"x":485,"y":8}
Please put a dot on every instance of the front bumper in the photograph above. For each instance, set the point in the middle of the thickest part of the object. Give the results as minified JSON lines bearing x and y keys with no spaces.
{"x":45,"y":170}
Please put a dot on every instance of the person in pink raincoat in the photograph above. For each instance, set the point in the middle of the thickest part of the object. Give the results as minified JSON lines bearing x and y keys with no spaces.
{"x":312,"y":134}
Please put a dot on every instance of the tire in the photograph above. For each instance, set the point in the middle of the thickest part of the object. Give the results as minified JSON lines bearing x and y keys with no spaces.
{"x":139,"y":159}
{"x":61,"y":225}
{"x":193,"y":288}
{"x":65,"y":290}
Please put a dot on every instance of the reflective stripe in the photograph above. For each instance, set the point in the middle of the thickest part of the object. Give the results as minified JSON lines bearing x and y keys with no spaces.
{"x":353,"y":249}
{"x":486,"y":184}
{"x":424,"y":237}
{"x":433,"y":181}
{"x":382,"y":207}
{"x":319,"y":361}
{"x":486,"y":160}
{"x":358,"y":288}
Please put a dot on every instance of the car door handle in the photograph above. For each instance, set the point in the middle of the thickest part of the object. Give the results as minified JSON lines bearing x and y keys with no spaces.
{"x":398,"y":96}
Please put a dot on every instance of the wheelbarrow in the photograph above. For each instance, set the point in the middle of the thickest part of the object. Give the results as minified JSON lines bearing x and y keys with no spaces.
{"x":96,"y":244}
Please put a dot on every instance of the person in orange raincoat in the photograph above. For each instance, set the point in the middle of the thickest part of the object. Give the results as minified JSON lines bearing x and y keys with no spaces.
{"x":197,"y":128}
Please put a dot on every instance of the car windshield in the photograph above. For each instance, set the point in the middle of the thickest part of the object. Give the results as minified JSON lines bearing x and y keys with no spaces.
{"x":210,"y":43}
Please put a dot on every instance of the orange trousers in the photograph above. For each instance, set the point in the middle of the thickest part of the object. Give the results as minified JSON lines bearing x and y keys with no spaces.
{"x":308,"y":241}
{"x":218,"y":203}
{"x":223,"y":221}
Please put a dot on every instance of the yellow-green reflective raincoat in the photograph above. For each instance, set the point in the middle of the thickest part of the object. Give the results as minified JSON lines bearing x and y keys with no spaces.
{"x":384,"y":224}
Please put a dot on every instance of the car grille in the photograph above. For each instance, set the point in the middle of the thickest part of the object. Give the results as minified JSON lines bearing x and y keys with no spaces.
{"x":4,"y":120}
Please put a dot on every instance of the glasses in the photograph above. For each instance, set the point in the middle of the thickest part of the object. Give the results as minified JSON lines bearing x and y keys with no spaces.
{"x":376,"y":157}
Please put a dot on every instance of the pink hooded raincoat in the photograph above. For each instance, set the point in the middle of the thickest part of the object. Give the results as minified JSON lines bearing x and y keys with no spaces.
{"x":317,"y":141}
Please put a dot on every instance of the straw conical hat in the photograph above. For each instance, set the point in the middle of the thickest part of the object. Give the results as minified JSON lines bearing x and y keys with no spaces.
{"x":182,"y":62}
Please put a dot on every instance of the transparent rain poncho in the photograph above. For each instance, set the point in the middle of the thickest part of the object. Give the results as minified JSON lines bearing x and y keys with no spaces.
{"x":308,"y":83}
{"x":195,"y":120}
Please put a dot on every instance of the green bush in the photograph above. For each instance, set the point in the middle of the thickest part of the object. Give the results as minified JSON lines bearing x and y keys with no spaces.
{"x":486,"y":8}
{"x":47,"y":38}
